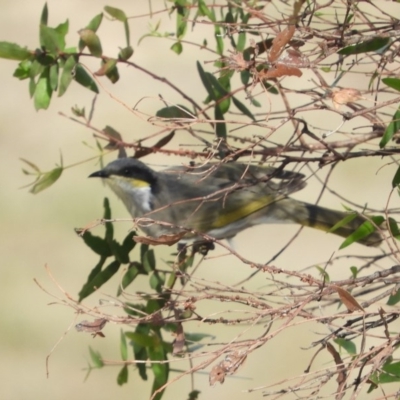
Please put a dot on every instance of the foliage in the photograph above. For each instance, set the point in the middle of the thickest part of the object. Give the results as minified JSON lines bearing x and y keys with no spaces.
{"x":260,"y":63}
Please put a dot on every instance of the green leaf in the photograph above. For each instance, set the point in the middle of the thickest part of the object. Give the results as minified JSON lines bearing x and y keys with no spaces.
{"x":123,"y":347}
{"x":46,"y":180}
{"x":130,"y":275}
{"x":348,"y":345}
{"x":343,"y":222}
{"x":23,"y":70}
{"x":373,"y":44}
{"x":45,"y":15}
{"x":149,"y":261}
{"x":364,"y":230}
{"x":157,"y":281}
{"x":99,"y":280}
{"x":113,"y":75}
{"x":116,"y":13}
{"x":182,"y":14}
{"x":94,"y":24}
{"x":242,"y":108}
{"x":128,"y":244}
{"x":96,"y":358}
{"x":106,"y":67}
{"x":143,"y":339}
{"x":51,"y":40}
{"x":220,"y":128}
{"x":67,"y":75}
{"x":84,"y":79}
{"x":62,"y":30}
{"x":174,"y":112}
{"x":160,"y":371}
{"x":177,"y":48}
{"x":95,"y":271}
{"x":393,"y":299}
{"x":125,"y":53}
{"x":12,"y":51}
{"x":97,"y":244}
{"x":122,"y":377}
{"x":392,"y":82}
{"x":206,"y":81}
{"x":53,"y":77}
{"x":392,"y":128}
{"x":396,"y":178}
{"x":43,"y":91}
{"x":324,"y":274}
{"x":92,"y":41}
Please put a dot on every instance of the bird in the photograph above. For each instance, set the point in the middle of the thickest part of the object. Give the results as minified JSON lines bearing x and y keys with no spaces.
{"x":218,"y":200}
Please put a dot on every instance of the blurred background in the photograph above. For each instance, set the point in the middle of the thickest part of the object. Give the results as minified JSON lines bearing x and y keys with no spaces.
{"x":38,"y":230}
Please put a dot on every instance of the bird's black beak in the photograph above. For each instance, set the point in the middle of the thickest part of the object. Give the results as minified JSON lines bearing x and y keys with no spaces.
{"x":99,"y":174}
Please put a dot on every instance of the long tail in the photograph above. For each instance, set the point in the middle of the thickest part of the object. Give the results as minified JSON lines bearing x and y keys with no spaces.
{"x":324,"y":219}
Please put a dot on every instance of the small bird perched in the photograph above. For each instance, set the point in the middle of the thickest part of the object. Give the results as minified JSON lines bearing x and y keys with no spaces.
{"x":218,"y":199}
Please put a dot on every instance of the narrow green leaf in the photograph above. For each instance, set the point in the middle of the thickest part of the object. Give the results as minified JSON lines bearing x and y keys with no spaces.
{"x":343,"y":222}
{"x":205,"y":11}
{"x":128,"y":244}
{"x":392,"y":128}
{"x":160,"y":371}
{"x":123,"y":347}
{"x":362,"y":232}
{"x":157,"y":281}
{"x":94,"y":24}
{"x":142,"y":339}
{"x":122,"y":377}
{"x":127,"y":34}
{"x":242,"y":108}
{"x":373,"y":44}
{"x":392,"y":82}
{"x":45,"y":15}
{"x":84,"y":79}
{"x":46,"y":180}
{"x":96,"y":358}
{"x":129,"y":276}
{"x":97,"y":244}
{"x":396,"y":178}
{"x":67,"y":75}
{"x":116,"y":13}
{"x":97,"y":268}
{"x":31,"y":164}
{"x":220,"y":127}
{"x":177,"y":48}
{"x":205,"y":80}
{"x":12,"y":51}
{"x":149,"y":261}
{"x":99,"y":280}
{"x":109,"y":236}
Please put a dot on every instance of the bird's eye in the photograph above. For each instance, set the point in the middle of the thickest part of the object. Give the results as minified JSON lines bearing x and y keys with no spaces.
{"x":127,"y":171}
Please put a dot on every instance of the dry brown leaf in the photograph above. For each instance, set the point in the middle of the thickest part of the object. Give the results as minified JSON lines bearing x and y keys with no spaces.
{"x":279,"y":43}
{"x":279,"y":70}
{"x":169,"y":240}
{"x":227,"y":366}
{"x":344,"y":96}
{"x":348,"y":300}
{"x":179,"y":342}
{"x":341,"y":379}
{"x":94,"y":327}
